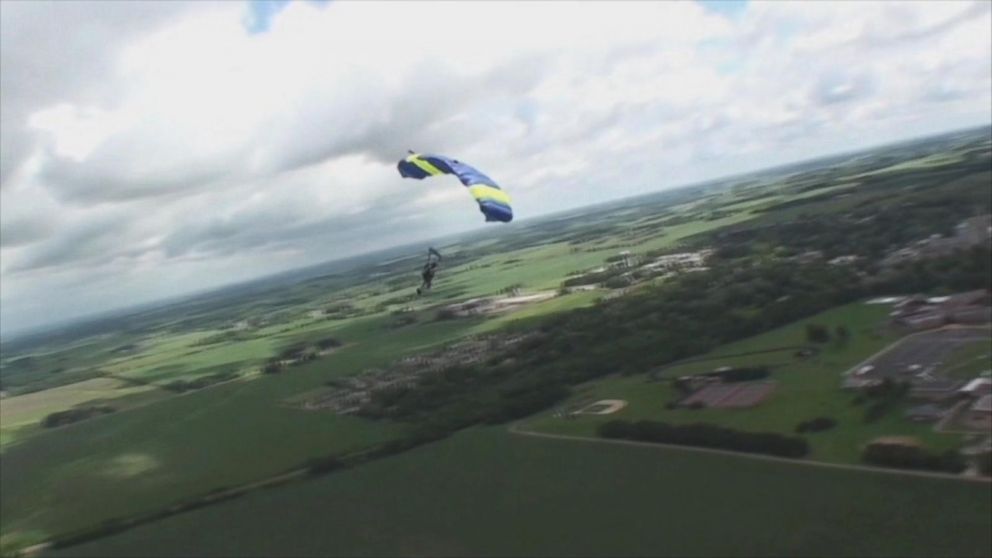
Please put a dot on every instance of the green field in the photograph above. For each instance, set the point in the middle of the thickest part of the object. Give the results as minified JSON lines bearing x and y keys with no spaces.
{"x":20,"y":416}
{"x":927,"y":162}
{"x":807,"y":388}
{"x":490,"y":493}
{"x":190,"y":444}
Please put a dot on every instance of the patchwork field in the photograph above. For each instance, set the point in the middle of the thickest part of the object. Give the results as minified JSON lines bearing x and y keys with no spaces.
{"x":464,"y":495}
{"x":192,"y":443}
{"x":490,"y":493}
{"x":21,"y":414}
{"x":807,"y":387}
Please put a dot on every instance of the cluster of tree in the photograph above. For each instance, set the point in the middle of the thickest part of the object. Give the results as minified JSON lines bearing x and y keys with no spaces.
{"x":842,"y":334}
{"x":328,"y":343}
{"x":985,"y":464}
{"x":817,"y":333}
{"x":181,"y":386}
{"x":718,"y":214}
{"x":70,"y":416}
{"x":887,"y":389}
{"x":707,"y":436}
{"x":299,"y":353}
{"x":460,"y":396}
{"x":317,"y":466}
{"x":618,"y":282}
{"x":509,"y":289}
{"x":884,"y":396}
{"x":911,"y":457}
{"x":818,"y":424}
{"x":445,"y":314}
{"x":120,"y":524}
{"x":890,"y":212}
{"x":963,"y":271}
{"x":224,"y":337}
{"x":626,"y":335}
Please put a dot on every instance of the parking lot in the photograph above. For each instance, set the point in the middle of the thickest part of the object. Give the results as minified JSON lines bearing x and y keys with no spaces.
{"x":918,"y":356}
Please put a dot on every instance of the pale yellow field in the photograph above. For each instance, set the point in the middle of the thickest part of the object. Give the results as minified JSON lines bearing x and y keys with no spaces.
{"x":28,"y":409}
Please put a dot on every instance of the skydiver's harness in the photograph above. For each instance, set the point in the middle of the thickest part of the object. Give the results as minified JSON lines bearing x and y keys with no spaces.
{"x":428,"y":273}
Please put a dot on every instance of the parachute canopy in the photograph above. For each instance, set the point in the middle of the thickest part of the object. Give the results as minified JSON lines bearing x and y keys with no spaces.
{"x":493,"y":201}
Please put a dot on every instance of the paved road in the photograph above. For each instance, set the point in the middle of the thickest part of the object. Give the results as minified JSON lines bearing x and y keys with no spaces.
{"x":516,"y":429}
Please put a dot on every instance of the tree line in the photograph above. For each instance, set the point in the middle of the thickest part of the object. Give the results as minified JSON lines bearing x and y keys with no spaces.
{"x":706,"y":436}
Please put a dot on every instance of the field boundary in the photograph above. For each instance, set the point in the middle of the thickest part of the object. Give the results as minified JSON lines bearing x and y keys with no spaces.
{"x":515,"y":428}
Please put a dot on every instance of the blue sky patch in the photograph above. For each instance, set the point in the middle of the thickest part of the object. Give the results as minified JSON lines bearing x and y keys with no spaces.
{"x":728,"y":8}
{"x":261,"y":13}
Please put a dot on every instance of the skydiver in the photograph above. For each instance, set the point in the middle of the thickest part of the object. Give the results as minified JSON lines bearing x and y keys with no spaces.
{"x":428,"y":276}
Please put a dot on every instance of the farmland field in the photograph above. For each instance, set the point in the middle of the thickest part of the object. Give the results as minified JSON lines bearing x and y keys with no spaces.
{"x":487,"y":492}
{"x":26,"y":411}
{"x":191,"y":443}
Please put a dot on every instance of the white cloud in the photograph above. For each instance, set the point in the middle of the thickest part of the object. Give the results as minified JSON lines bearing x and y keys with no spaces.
{"x":160,"y":146}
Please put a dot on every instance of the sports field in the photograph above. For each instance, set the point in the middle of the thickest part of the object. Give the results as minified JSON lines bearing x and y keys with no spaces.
{"x":490,"y":493}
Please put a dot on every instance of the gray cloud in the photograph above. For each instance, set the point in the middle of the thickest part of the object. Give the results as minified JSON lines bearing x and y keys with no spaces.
{"x":383,"y":127}
{"x":71,"y":47}
{"x":91,"y":241}
{"x":16,"y":232}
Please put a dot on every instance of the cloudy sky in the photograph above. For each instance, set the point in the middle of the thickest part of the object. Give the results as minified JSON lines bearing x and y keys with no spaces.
{"x":152,"y":149}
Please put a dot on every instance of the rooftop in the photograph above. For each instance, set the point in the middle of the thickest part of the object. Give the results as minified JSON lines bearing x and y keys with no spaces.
{"x":984,"y":404}
{"x":977,"y":384}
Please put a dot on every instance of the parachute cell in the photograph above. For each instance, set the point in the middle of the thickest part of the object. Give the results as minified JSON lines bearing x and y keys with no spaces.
{"x":492,"y":200}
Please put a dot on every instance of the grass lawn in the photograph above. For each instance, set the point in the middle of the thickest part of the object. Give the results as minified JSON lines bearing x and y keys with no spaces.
{"x":807,"y":388}
{"x":486,"y":492}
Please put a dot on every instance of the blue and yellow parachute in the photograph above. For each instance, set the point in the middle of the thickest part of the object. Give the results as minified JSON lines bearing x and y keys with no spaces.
{"x":493,"y":201}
